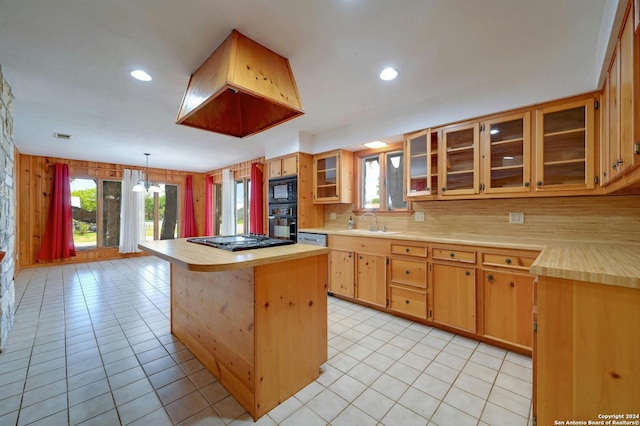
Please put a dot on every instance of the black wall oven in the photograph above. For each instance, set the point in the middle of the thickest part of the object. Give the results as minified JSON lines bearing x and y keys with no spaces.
{"x":283,"y":208}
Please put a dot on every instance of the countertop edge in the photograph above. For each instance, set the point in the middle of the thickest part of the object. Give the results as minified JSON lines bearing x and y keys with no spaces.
{"x":602,"y":262}
{"x":230,"y":260}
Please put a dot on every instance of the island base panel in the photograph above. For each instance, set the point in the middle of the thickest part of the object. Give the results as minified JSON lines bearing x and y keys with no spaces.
{"x":212,"y":315}
{"x":290,"y":328}
{"x":262,"y":332}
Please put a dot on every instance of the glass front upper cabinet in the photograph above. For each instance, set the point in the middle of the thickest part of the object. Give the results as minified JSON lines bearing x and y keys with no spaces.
{"x":421,"y":159}
{"x":565,"y":147}
{"x":459,"y":159}
{"x":507,"y":147}
{"x":333,"y":177}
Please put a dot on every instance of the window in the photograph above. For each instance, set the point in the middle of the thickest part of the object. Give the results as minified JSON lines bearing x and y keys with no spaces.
{"x":242,"y":197}
{"x":111,"y":193}
{"x":85,"y":214}
{"x":217,"y":208}
{"x":381,"y":181}
{"x":161,"y":213}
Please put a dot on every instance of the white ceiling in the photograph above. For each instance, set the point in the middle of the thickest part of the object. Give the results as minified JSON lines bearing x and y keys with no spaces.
{"x":68,"y":64}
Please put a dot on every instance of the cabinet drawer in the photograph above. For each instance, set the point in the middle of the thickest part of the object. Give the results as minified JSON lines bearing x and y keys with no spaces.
{"x":409,"y":250}
{"x":407,"y":301}
{"x":409,"y":272}
{"x":455,"y":255}
{"x":514,"y":261}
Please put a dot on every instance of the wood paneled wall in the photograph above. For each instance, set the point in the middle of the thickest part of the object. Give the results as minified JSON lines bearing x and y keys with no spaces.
{"x":607,"y":218}
{"x":34,"y":175}
{"x":240,"y":170}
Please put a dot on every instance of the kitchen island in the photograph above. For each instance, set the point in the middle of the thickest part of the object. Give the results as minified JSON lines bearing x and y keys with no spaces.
{"x":257,"y":319}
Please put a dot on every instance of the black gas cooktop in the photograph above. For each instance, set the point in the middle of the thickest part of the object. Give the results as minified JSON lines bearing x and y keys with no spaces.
{"x":240,"y":242}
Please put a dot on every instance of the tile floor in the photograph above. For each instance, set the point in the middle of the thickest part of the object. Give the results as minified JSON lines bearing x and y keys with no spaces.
{"x":91,"y":345}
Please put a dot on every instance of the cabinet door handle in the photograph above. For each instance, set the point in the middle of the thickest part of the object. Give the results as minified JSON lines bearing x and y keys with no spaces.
{"x":490,"y":278}
{"x":512,"y":284}
{"x":360,"y":257}
{"x":526,"y":184}
{"x":406,"y":272}
{"x":406,"y":301}
{"x":444,"y":189}
{"x":539,"y":183}
{"x":467,"y":273}
{"x":507,"y":261}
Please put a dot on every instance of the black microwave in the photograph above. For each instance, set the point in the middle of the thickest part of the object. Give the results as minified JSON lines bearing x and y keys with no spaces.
{"x":283,"y":190}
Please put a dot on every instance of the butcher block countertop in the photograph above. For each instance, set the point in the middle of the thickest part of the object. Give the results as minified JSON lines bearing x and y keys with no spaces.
{"x":198,"y":257}
{"x":608,"y":263}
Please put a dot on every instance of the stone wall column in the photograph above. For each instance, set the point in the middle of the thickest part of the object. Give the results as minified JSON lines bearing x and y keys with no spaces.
{"x":7,"y":211}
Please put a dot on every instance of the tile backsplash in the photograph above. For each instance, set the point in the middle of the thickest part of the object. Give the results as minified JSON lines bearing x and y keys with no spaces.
{"x":608,"y":218}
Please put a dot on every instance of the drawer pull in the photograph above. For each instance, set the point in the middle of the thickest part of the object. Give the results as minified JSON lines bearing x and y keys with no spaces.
{"x":407,"y":250}
{"x":452,"y":254}
{"x":490,"y":278}
{"x":407,"y":272}
{"x":507,"y":261}
{"x":406,"y":301}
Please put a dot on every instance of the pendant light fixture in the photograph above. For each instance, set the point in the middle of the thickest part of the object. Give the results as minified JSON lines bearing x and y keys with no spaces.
{"x":146,"y":184}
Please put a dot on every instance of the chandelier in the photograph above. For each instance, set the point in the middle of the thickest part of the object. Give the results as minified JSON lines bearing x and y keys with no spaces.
{"x":146,"y":184}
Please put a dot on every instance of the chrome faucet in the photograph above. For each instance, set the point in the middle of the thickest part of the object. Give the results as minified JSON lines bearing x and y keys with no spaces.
{"x":377,"y":228}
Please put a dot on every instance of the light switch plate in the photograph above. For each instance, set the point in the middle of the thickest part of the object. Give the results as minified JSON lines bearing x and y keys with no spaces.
{"x":419,"y":217}
{"x":516,"y":218}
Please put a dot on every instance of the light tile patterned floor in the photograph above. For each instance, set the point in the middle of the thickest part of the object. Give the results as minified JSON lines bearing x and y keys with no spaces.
{"x":91,"y":345}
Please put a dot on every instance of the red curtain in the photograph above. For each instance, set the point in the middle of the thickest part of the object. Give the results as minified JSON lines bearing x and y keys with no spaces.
{"x":57,"y":241}
{"x":189,"y":221}
{"x":208,"y":206}
{"x":255,"y":219}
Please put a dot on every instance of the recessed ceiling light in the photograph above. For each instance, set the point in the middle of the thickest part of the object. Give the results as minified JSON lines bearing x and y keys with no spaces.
{"x":375,"y":144}
{"x":388,"y":74}
{"x":140,"y":75}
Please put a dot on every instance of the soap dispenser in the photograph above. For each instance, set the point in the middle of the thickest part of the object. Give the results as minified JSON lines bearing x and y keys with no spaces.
{"x":350,"y":223}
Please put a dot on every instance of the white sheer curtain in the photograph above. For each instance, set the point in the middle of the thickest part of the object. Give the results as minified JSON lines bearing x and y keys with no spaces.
{"x":228,"y":203}
{"x":131,"y":213}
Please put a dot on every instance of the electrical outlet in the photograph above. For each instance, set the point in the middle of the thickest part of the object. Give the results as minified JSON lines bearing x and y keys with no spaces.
{"x":332,"y":215}
{"x":419,"y":217}
{"x":517,"y":218}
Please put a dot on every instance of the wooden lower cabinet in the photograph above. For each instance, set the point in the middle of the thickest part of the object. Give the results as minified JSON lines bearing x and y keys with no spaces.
{"x":341,"y":270}
{"x":453,"y":292}
{"x":508,"y":306}
{"x":371,"y":279}
{"x":408,"y":284}
{"x":480,"y":292}
{"x":587,"y":351}
{"x":408,"y":301}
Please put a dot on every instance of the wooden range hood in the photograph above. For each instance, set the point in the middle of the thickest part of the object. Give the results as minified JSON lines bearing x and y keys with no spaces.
{"x":242,"y":89}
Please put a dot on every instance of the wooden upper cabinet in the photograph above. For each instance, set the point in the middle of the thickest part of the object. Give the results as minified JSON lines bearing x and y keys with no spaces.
{"x":617,"y":117}
{"x":459,"y":159}
{"x":565,"y":147}
{"x":506,"y":154}
{"x":333,"y":177}
{"x":421,"y":163}
{"x":285,"y":166}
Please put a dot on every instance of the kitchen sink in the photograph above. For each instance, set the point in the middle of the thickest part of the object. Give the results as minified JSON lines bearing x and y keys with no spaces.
{"x":366,"y":231}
